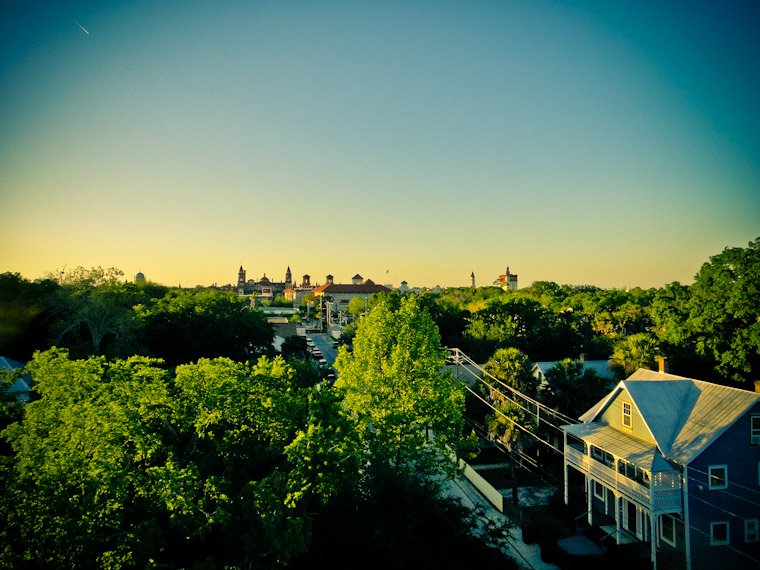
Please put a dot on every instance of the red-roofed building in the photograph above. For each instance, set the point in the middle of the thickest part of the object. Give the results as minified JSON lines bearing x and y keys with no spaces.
{"x":343,"y":293}
{"x":508,"y":281}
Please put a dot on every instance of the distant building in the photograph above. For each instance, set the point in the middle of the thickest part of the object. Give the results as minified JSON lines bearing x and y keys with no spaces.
{"x":263,"y":288}
{"x":295,"y":293}
{"x":508,"y":281}
{"x":342,"y":294}
{"x":139,"y":278}
{"x":472,"y":280}
{"x":673,"y":463}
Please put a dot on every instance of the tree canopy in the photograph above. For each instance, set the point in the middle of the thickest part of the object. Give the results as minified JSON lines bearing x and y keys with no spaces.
{"x":119,"y":465}
{"x":183,"y":326}
{"x":723,"y":312}
{"x":394,"y":385}
{"x":571,"y":388}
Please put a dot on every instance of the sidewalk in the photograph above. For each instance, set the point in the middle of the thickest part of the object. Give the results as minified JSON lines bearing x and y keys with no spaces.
{"x":528,"y":555}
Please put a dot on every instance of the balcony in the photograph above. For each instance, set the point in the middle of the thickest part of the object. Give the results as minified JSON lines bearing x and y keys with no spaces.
{"x":663,"y":495}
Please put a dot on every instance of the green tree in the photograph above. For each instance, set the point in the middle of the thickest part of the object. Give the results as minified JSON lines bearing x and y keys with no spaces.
{"x":81,"y":277}
{"x":24,"y":320}
{"x":506,"y":422}
{"x":450,"y":317}
{"x":184,"y":326}
{"x":678,"y":341}
{"x":394,"y":386}
{"x":91,"y":312}
{"x":636,"y":351}
{"x":69,"y":498}
{"x":513,"y":367}
{"x":119,"y":465}
{"x":294,"y":347}
{"x":571,"y":388}
{"x":95,"y":313}
{"x":522,"y":322}
{"x":723,"y":312}
{"x":357,"y":306}
{"x":509,"y":416}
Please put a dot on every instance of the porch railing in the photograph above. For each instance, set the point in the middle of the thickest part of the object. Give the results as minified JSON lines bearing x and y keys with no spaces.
{"x":663,"y":495}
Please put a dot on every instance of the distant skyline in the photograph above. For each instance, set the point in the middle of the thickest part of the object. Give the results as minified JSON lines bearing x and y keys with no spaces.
{"x":590,"y":142}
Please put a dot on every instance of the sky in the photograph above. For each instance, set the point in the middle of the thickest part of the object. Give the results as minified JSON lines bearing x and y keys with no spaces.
{"x":615,"y":144}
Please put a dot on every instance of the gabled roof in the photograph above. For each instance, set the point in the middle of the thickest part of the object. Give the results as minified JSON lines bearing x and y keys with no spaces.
{"x":22,"y":385}
{"x":684,"y":416}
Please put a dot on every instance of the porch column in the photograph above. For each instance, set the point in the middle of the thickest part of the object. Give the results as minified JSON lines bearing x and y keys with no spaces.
{"x":564,"y":461}
{"x":589,"y":500}
{"x":567,"y":485}
{"x":653,"y":538}
{"x":618,"y":511}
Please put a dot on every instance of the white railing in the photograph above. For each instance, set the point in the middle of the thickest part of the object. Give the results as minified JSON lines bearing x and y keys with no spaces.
{"x":663,"y":495}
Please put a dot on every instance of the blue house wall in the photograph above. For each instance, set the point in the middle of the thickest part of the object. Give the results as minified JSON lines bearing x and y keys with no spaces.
{"x":738,"y":502}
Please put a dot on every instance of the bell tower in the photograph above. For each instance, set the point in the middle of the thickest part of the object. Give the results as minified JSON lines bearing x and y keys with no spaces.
{"x":241,"y":278}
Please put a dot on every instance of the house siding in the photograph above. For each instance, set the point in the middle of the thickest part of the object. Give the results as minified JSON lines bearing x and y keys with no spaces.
{"x":613,"y":416}
{"x":697,"y":425}
{"x":738,"y":502}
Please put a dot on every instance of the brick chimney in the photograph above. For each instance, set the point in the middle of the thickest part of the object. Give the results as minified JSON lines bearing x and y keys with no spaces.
{"x":664,"y":367}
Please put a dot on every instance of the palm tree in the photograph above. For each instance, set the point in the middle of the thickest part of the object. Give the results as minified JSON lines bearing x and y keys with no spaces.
{"x":513,"y":367}
{"x":571,"y":388}
{"x":636,"y":351}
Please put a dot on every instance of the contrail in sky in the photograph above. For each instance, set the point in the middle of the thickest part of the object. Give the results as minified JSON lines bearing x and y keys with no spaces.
{"x":82,"y":27}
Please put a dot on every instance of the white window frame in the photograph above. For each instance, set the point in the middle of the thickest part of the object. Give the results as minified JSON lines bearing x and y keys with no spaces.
{"x":627,"y":420}
{"x":754,"y":429}
{"x":669,"y":538}
{"x":602,"y":495}
{"x":710,"y":482}
{"x":717,"y":542}
{"x":751,"y":531}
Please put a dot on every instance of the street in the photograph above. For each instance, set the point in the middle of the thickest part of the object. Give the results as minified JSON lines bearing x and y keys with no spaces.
{"x":324,"y":343}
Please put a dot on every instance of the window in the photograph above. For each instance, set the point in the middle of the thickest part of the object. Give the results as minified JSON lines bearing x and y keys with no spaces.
{"x":751,"y":533}
{"x":718,"y":533}
{"x":633,"y":472}
{"x":718,"y":476}
{"x":602,"y":456}
{"x":627,"y":421}
{"x":598,"y":490}
{"x":754,"y":429}
{"x":668,"y":529}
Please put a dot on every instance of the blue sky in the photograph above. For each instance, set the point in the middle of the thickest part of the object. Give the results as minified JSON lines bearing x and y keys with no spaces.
{"x":613,"y":144}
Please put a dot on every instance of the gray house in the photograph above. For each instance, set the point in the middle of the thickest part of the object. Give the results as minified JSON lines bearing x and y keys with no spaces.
{"x":21,"y":385}
{"x":675,"y":463}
